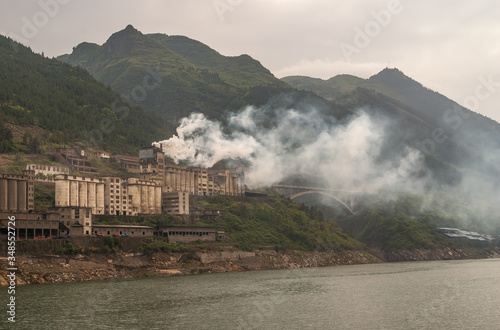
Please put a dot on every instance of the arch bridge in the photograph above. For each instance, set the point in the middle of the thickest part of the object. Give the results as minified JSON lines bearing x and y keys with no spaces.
{"x":348,"y":199}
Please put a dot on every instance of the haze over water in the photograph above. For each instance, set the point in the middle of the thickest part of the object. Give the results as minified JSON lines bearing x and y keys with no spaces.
{"x":414,"y":295}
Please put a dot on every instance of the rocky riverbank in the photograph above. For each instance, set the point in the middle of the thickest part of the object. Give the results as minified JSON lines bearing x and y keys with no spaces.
{"x":448,"y":253}
{"x":87,"y":267}
{"x":61,"y":268}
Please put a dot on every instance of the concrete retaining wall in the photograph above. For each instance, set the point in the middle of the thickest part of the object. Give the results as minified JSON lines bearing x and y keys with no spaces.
{"x":207,"y":257}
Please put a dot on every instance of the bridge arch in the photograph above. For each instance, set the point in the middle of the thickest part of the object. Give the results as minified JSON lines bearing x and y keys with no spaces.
{"x":324,"y":194}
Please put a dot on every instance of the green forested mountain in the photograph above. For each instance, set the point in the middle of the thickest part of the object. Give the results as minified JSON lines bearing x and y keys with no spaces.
{"x":69,"y":104}
{"x":454,"y":139}
{"x":279,"y":223}
{"x":173,"y":76}
{"x":461,"y":148}
{"x":190,"y":76}
{"x":238,"y":70}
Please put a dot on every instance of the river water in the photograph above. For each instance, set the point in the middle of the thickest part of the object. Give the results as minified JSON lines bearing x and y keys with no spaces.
{"x":410,"y":295}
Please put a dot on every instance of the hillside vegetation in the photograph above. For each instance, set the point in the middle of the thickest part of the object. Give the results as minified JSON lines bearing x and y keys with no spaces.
{"x":189,"y":76}
{"x":278,"y":223}
{"x":457,"y":142}
{"x":401,"y":220}
{"x":69,"y":104}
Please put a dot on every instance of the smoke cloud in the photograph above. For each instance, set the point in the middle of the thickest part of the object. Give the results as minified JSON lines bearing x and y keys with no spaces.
{"x":290,"y":143}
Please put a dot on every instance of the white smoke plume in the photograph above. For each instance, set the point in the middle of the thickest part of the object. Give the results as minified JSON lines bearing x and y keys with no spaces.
{"x":296,"y":144}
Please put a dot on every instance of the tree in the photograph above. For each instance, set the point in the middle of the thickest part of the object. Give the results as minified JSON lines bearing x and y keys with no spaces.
{"x":35,"y":145}
{"x":6,"y":143}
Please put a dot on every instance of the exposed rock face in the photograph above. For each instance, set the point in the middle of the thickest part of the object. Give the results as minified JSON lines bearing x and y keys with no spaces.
{"x":440,"y":254}
{"x":299,"y":259}
{"x":58,"y":269}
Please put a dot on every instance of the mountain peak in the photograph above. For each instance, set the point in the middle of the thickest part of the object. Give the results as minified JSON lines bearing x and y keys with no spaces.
{"x":394,"y":77}
{"x":128,"y":31}
{"x":395,"y":72}
{"x":123,"y":41}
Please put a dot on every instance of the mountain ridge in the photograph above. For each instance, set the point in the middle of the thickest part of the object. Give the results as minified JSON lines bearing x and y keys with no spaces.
{"x":69,"y":104}
{"x":448,"y":134}
{"x":224,"y":84}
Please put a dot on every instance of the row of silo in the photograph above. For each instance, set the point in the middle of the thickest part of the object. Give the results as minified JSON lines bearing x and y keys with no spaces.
{"x":146,"y":197}
{"x":80,"y":193}
{"x":13,"y":195}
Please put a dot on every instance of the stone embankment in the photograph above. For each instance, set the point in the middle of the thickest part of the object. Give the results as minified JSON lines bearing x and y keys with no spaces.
{"x":34,"y":269}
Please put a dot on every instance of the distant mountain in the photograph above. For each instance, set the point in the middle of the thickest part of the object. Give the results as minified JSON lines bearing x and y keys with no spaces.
{"x":69,"y":105}
{"x":190,"y":76}
{"x":238,"y":70}
{"x":454,"y":138}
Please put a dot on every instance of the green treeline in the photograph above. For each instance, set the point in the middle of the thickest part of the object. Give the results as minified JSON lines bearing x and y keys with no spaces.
{"x":409,"y":221}
{"x":69,"y":104}
{"x":278,"y":223}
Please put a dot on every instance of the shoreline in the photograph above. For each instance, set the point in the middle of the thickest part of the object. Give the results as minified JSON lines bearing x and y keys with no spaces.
{"x":43,"y":268}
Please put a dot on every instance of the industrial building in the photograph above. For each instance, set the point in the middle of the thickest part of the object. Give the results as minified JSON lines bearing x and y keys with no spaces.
{"x":203,"y":182}
{"x":131,"y":196}
{"x":47,"y":170}
{"x":175,"y":203}
{"x":180,"y":234}
{"x":78,"y":161}
{"x":152,"y":165}
{"x":75,"y":191}
{"x":123,"y":230}
{"x":17,"y":192}
{"x":128,"y":162}
{"x":160,"y":187}
{"x":32,"y":225}
{"x":78,"y":220}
